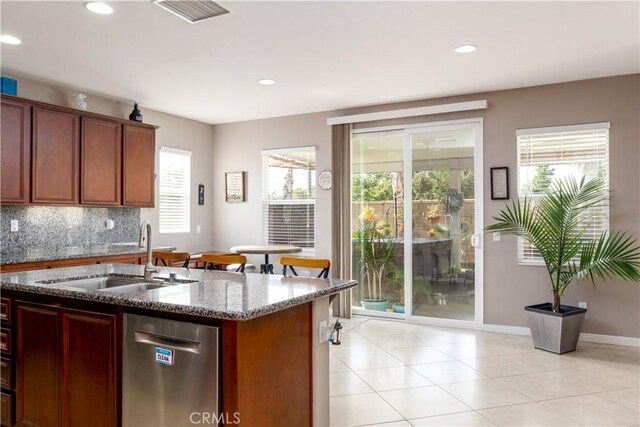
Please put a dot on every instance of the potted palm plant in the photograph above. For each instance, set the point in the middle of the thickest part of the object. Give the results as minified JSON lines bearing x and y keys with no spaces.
{"x":556,"y":225}
{"x":375,"y":249}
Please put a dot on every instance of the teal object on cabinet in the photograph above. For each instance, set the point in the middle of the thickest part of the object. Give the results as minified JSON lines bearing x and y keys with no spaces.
{"x":8,"y":86}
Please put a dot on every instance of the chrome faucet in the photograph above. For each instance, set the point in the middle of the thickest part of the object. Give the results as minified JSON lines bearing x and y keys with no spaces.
{"x":149,"y":268}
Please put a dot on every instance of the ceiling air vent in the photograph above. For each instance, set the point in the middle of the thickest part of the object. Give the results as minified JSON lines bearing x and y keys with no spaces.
{"x":192,"y":10}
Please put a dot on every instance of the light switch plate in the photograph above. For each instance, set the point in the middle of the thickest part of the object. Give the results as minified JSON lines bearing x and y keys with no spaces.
{"x":198,"y":228}
{"x":14,"y":225}
{"x":496,"y":236}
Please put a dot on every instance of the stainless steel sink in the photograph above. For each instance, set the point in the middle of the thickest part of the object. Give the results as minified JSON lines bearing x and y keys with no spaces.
{"x":119,"y":284}
{"x":113,"y":283}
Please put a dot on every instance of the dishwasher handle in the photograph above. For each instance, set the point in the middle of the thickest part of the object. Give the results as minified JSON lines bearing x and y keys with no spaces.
{"x":153,"y":339}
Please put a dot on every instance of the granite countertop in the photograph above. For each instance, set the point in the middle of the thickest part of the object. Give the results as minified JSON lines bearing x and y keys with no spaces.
{"x":74,"y":252}
{"x":213,"y":294}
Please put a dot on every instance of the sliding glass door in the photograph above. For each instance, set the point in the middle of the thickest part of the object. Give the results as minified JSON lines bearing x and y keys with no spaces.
{"x":421,"y":182}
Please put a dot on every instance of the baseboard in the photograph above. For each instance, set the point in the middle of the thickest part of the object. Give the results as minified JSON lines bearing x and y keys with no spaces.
{"x":503,"y":329}
{"x":584,"y":337}
{"x":610,"y":339}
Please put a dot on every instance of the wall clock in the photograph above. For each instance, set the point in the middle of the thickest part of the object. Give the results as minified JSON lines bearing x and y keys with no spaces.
{"x":324,"y":180}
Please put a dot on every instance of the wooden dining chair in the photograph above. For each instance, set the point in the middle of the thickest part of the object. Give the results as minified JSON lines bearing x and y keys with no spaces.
{"x":292,"y":262}
{"x":215,"y":260}
{"x":168,"y":258}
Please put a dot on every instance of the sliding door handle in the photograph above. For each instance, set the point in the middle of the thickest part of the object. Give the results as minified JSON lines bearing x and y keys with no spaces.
{"x":475,"y":240}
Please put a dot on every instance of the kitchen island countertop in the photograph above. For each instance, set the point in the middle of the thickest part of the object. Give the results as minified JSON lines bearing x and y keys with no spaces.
{"x":213,"y":294}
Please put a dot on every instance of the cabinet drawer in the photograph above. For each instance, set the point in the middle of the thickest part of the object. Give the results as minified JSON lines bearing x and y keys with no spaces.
{"x":6,"y":374}
{"x":5,"y":311}
{"x":5,"y":340}
{"x":6,"y":408}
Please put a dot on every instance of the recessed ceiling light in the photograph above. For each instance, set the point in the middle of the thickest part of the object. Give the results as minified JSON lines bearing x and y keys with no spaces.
{"x":370,"y":147}
{"x":465,"y":48}
{"x":9,"y":39}
{"x":391,"y":153}
{"x":266,"y":81}
{"x":99,"y":7}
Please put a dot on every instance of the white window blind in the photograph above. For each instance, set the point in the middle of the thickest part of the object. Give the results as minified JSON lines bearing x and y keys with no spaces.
{"x":288,"y":196}
{"x":553,"y":153}
{"x":174,"y":190}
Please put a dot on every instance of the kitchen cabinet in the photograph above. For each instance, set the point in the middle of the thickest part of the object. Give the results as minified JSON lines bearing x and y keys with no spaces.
{"x":55,"y":148}
{"x":138,"y":166}
{"x":6,"y":364}
{"x":15,"y":151}
{"x":53,"y":155}
{"x":66,"y":366}
{"x":101,"y":162}
{"x":38,"y":365}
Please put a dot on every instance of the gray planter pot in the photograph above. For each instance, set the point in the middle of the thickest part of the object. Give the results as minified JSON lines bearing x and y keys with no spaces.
{"x":555,"y":332}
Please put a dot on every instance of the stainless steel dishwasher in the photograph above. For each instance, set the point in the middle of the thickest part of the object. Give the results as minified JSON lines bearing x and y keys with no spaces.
{"x":169,"y":372}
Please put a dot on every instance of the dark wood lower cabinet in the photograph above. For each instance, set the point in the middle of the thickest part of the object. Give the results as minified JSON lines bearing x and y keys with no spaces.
{"x":66,"y":367}
{"x":38,"y":365}
{"x":89,"y":369}
{"x":6,"y":409}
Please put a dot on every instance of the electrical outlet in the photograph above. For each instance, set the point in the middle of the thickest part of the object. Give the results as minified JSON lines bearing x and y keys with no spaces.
{"x":496,"y":236}
{"x":108,"y":224}
{"x":582,"y":304}
{"x":14,"y":225}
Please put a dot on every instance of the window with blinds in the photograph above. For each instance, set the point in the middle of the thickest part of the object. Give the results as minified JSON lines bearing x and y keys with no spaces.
{"x":545,"y":154}
{"x":288,"y":196}
{"x":174,"y":194}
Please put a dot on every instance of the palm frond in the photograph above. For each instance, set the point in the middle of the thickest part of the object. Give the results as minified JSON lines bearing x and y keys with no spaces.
{"x":555,"y":225}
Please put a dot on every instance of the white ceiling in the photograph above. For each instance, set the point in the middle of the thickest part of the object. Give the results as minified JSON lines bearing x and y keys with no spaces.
{"x":324,"y":55}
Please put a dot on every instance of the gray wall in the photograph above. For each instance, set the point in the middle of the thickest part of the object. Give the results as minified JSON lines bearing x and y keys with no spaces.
{"x":175,"y":132}
{"x":614,"y":307}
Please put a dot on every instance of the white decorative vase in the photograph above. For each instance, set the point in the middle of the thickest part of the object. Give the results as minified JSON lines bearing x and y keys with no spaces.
{"x":80,"y":101}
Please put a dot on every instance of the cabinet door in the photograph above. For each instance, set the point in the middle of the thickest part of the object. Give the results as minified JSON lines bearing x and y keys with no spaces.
{"x":38,"y":365}
{"x":55,"y":147}
{"x":101,"y":162}
{"x":138,"y":155}
{"x":89,"y":369}
{"x":15,"y":150}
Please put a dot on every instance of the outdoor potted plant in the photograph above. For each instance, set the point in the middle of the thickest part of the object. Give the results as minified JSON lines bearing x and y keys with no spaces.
{"x":556,"y":226}
{"x":375,"y":249}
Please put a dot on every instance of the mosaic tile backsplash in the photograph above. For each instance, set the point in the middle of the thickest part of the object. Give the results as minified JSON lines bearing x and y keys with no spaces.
{"x":54,"y":227}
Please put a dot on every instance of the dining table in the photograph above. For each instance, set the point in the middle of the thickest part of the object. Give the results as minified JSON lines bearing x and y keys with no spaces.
{"x":266,"y":250}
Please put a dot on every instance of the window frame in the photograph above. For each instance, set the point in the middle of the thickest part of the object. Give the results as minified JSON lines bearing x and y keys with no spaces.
{"x":600,"y":126}
{"x":186,"y":194}
{"x":267,"y":202}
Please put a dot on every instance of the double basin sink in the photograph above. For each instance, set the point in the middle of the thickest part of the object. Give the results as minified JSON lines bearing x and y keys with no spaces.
{"x":120,"y":284}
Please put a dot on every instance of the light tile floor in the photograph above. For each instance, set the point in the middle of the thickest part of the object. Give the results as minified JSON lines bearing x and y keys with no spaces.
{"x":389,"y":373}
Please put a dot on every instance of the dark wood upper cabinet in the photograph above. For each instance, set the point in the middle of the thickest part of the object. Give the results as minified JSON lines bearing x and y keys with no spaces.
{"x":101,"y":162}
{"x":53,"y":155}
{"x":55,"y":146}
{"x":38,"y":365}
{"x":15,"y":150}
{"x":138,"y":159}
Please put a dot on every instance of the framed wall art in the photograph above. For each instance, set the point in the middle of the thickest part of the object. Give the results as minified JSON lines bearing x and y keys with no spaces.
{"x":500,"y":183}
{"x":234,"y":187}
